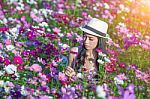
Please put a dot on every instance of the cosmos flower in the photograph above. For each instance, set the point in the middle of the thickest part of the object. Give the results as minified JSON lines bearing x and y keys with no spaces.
{"x":62,"y":76}
{"x":36,"y":68}
{"x":10,"y":69}
{"x":101,"y":92}
{"x":30,"y":35}
{"x":10,"y":47}
{"x":17,"y":60}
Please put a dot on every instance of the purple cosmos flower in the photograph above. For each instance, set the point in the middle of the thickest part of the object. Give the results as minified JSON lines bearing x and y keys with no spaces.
{"x":50,"y":49}
{"x":25,"y":53}
{"x":28,"y":43}
{"x":36,"y":43}
{"x":132,"y":66}
{"x":16,"y":94}
{"x":21,"y":30}
{"x":128,"y":95}
{"x":79,"y":87}
{"x":31,"y":35}
{"x":68,"y":93}
{"x":46,"y":5}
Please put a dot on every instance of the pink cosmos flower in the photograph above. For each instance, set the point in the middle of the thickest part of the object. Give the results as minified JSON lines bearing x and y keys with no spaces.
{"x":113,"y":97}
{"x":7,"y":42}
{"x":56,"y":30}
{"x":122,"y":65}
{"x":23,"y":19}
{"x":1,"y":46}
{"x":4,"y":29}
{"x":122,"y":76}
{"x":17,"y":60}
{"x":62,"y":76}
{"x":99,"y":50}
{"x":44,"y":97}
{"x":15,"y":52}
{"x":110,"y":67}
{"x":84,"y":14}
{"x":36,"y":68}
{"x":69,"y":35}
{"x":6,"y":61}
{"x":32,"y":15}
{"x":20,"y":68}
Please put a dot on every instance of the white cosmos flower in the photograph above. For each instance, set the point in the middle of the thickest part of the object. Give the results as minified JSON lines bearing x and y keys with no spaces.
{"x":65,"y":46}
{"x":106,"y":6}
{"x":35,"y":10}
{"x":7,"y":87}
{"x":43,"y":11}
{"x":43,"y":24}
{"x":1,"y":21}
{"x":100,"y":61}
{"x":79,"y":75}
{"x":1,"y":73}
{"x":31,"y":2}
{"x":24,"y":92}
{"x":10,"y":47}
{"x":14,"y":32}
{"x":49,"y":30}
{"x":102,"y":54}
{"x":1,"y":83}
{"x":17,"y":76}
{"x":106,"y":59}
{"x":10,"y":69}
{"x":118,"y":81}
{"x":5,"y":21}
{"x":61,"y":34}
{"x":100,"y":92}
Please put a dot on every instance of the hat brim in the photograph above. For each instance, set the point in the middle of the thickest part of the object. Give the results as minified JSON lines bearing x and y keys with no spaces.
{"x":91,"y":32}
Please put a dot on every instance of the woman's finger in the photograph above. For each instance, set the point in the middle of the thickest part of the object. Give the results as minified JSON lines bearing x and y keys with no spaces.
{"x":70,"y":74}
{"x":70,"y":69}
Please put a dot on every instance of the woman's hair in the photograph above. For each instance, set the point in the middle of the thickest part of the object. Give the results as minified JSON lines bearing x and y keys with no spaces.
{"x":82,"y":52}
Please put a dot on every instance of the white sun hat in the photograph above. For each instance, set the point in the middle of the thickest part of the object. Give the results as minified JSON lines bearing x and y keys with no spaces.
{"x":96,"y":27}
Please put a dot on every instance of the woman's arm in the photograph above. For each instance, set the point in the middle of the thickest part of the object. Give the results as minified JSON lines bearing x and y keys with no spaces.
{"x":69,"y":70}
{"x":72,"y":55}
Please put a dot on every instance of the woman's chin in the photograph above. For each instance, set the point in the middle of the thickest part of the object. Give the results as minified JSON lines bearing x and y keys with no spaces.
{"x":88,"y":48}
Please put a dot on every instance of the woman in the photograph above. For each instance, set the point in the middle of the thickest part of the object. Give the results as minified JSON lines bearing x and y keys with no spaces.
{"x":85,"y":60}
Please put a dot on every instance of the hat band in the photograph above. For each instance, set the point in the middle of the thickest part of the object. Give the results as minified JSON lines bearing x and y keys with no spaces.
{"x":94,"y":30}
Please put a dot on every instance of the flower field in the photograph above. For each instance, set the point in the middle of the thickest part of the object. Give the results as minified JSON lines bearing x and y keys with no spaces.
{"x":36,"y":37}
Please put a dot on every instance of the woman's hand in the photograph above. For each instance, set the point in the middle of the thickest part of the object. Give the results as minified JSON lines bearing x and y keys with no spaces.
{"x":70,"y":72}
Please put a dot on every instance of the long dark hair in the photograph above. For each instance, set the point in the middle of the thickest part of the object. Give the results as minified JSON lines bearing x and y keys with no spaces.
{"x":82,"y":52}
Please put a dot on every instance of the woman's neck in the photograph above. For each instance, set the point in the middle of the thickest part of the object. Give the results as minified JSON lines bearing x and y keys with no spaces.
{"x":89,"y":53}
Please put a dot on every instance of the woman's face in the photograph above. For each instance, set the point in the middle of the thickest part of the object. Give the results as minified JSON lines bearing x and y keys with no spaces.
{"x":90,"y":41}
